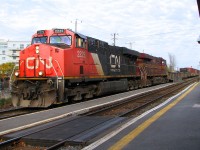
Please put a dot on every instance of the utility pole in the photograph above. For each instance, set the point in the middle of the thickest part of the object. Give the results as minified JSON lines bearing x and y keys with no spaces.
{"x":76,"y":23}
{"x":130,"y":44}
{"x":114,"y":37}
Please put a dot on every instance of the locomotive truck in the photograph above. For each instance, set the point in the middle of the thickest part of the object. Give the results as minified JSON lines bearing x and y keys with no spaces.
{"x":61,"y":66}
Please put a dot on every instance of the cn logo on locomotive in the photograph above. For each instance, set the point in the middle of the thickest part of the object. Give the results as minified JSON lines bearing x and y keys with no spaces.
{"x":31,"y":65}
{"x":115,"y":63}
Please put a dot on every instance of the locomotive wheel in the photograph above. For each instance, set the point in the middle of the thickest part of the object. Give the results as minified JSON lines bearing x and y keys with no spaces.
{"x":131,"y":84}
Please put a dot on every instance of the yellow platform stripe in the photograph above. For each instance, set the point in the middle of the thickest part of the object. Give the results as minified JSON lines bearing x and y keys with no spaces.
{"x":133,"y":134}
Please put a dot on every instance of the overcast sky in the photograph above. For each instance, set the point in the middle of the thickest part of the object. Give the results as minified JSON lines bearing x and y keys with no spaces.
{"x":156,"y":27}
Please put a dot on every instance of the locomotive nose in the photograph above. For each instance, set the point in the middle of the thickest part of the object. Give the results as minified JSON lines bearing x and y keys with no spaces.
{"x":36,"y":61}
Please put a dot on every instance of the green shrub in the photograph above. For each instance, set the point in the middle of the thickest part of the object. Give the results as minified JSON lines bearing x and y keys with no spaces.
{"x":5,"y":102}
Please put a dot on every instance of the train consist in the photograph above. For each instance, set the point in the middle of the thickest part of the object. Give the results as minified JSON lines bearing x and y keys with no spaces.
{"x":184,"y":73}
{"x":189,"y":72}
{"x":61,"y":66}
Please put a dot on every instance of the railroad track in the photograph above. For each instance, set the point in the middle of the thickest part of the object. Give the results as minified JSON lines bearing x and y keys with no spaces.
{"x":17,"y":112}
{"x":13,"y":112}
{"x":120,"y":112}
{"x":131,"y":106}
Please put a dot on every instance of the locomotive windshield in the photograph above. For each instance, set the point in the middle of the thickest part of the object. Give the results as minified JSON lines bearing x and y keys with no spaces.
{"x":39,"y":40}
{"x":61,"y":40}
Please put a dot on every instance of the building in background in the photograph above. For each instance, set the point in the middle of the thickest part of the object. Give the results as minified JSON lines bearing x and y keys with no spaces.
{"x":3,"y":51}
{"x":9,"y":50}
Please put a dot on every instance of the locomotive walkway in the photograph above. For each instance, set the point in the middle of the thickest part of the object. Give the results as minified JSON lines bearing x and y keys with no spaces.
{"x":30,"y":120}
{"x":175,"y":125}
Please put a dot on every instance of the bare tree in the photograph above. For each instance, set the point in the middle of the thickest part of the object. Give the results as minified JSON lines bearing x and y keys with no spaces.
{"x":172,"y":62}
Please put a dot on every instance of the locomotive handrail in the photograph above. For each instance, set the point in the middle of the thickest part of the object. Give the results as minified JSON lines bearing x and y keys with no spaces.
{"x":56,"y":75}
{"x":13,"y":71}
{"x":56,"y":72}
{"x":60,"y":68}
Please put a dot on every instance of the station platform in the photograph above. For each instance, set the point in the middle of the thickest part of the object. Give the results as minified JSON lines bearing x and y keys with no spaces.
{"x":173,"y":125}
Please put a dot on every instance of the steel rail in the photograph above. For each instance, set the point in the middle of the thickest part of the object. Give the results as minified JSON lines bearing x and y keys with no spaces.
{"x":124,"y":102}
{"x":151,"y":101}
{"x":17,"y":112}
{"x":133,"y":99}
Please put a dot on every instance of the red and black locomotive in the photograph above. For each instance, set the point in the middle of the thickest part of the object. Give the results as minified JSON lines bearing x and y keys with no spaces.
{"x":61,"y":65}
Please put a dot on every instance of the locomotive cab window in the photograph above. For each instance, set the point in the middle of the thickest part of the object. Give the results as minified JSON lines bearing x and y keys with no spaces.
{"x":80,"y":42}
{"x":61,"y":40}
{"x":163,"y":62}
{"x":42,"y":39}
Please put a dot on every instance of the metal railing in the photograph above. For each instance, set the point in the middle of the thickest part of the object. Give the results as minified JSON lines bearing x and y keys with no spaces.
{"x":56,"y":72}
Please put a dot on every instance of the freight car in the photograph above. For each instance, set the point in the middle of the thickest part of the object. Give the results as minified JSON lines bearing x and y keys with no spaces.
{"x":184,"y":73}
{"x":189,"y":72}
{"x":61,"y":66}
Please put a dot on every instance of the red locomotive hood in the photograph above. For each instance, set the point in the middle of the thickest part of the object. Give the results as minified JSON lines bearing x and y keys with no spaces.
{"x":39,"y":59}
{"x":37,"y":50}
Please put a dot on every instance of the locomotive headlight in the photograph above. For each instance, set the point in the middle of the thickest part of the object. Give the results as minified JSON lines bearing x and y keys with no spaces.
{"x":40,"y":73}
{"x":37,"y":50}
{"x":16,"y":73}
